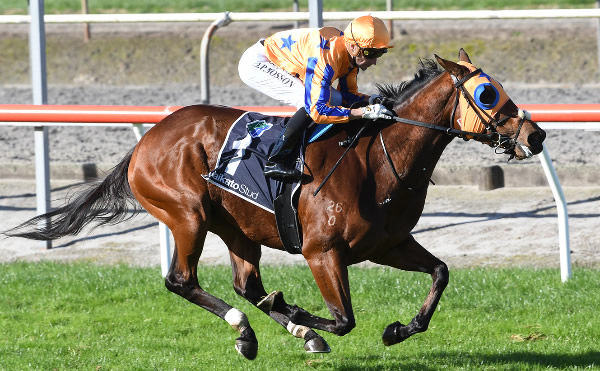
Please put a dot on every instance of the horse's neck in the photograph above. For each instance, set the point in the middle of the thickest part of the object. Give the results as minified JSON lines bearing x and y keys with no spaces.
{"x":415,"y":150}
{"x":431,"y":104}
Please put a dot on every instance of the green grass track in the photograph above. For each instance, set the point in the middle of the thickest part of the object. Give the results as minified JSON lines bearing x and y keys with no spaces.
{"x":89,"y":317}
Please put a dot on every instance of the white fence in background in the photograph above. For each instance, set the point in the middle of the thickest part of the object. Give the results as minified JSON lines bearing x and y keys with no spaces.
{"x":299,"y":16}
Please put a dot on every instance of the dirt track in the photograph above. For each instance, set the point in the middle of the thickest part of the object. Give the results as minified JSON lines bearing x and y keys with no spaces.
{"x":461,"y":225}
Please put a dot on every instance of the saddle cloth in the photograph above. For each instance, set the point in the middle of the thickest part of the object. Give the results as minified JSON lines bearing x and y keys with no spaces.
{"x":239,"y":168}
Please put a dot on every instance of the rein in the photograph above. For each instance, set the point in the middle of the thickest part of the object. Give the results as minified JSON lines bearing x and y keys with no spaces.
{"x":494,"y":138}
{"x":450,"y":131}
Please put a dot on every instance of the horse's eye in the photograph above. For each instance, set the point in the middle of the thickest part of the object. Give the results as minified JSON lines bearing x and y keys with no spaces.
{"x":486,"y":96}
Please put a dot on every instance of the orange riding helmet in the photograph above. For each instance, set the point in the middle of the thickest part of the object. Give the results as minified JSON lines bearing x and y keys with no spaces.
{"x":368,"y":32}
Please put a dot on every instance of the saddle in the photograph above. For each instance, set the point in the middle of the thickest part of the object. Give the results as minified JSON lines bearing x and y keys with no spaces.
{"x":239,"y":171}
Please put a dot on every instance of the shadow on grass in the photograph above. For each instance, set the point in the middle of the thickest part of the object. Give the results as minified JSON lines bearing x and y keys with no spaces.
{"x":102,"y":235}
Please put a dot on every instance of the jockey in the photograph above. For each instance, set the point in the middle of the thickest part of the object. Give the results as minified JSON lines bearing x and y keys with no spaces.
{"x":298,"y":67}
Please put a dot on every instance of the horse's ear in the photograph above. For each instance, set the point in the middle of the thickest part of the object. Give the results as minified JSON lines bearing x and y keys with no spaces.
{"x":463,"y":56}
{"x":451,"y":67}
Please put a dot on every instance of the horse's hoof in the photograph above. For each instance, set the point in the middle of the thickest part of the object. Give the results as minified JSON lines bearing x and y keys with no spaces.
{"x":246,"y":348}
{"x":391,"y":334}
{"x":317,"y":345}
{"x":247,"y":345}
{"x":314,"y":343}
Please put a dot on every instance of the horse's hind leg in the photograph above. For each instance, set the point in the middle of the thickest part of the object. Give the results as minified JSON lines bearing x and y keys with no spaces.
{"x":182,"y":279}
{"x":411,"y":256}
{"x":245,"y":257}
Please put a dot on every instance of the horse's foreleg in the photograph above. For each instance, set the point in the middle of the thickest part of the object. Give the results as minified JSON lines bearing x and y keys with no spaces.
{"x":182,"y":279}
{"x":331,"y":275}
{"x":245,"y":257}
{"x":411,"y":256}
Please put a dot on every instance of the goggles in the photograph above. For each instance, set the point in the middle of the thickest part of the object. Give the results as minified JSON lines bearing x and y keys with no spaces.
{"x":370,"y":53}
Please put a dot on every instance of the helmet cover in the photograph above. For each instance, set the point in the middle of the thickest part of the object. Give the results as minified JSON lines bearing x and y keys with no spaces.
{"x":368,"y":32}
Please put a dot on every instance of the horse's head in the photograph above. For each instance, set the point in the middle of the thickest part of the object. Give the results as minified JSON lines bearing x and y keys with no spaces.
{"x":482,"y":106}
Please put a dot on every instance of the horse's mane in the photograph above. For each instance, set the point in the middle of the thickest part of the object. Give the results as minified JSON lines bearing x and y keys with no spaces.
{"x":428,"y":69}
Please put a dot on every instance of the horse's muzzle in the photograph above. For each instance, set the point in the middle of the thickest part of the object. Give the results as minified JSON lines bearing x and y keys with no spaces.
{"x":535,"y":141}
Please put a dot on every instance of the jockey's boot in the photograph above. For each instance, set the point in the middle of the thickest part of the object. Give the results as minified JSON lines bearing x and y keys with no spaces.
{"x":281,"y":163}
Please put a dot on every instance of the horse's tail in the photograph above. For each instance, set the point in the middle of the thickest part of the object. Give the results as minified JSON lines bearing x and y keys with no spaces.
{"x":107,"y":201}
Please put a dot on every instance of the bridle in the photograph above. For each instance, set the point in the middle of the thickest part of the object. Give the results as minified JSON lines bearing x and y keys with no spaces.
{"x":492,"y":136}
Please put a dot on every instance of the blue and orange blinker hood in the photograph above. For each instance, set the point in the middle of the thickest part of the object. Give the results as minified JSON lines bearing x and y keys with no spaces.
{"x":488,"y":98}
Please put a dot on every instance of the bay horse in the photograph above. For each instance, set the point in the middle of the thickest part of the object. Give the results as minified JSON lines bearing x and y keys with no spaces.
{"x":365,"y":211}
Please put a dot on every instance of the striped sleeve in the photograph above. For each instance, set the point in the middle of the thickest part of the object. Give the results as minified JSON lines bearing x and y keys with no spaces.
{"x":318,"y":81}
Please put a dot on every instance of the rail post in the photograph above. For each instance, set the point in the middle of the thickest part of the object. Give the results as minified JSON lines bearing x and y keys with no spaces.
{"x":598,"y":37}
{"x":37,"y":57}
{"x":315,"y":8}
{"x":561,"y":211}
{"x":204,"y":89}
{"x":389,"y":6}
